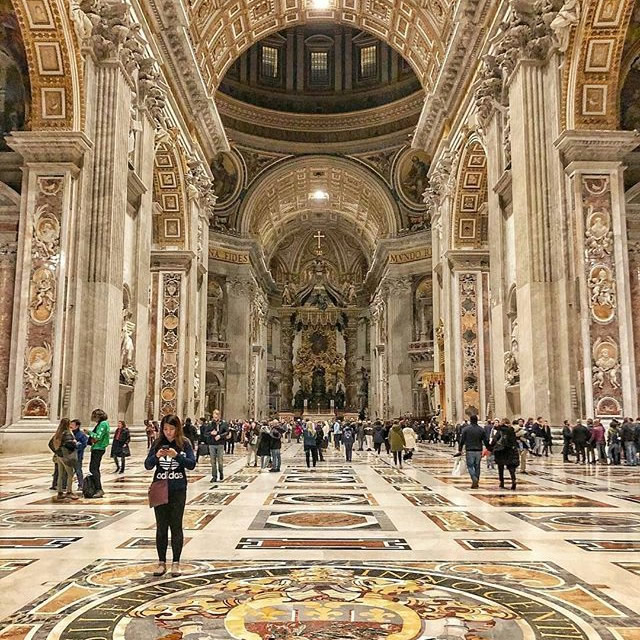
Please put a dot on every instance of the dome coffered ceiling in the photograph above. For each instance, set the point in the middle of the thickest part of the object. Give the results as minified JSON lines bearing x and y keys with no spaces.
{"x":314,"y":191}
{"x":222,"y":30}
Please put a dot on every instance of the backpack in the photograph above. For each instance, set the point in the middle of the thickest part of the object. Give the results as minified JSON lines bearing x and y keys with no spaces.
{"x":89,"y":488}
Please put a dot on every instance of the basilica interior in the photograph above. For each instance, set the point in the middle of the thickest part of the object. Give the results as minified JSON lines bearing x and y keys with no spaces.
{"x":283,"y":209}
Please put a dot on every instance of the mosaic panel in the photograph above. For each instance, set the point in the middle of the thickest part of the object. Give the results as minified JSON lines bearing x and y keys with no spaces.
{"x":469,"y":330}
{"x":170,"y":346}
{"x":326,"y":478}
{"x":36,"y":543}
{"x":598,"y":522}
{"x":473,"y":544}
{"x":142,"y":543}
{"x":10,"y":495}
{"x":539,"y":500}
{"x":59,"y":519}
{"x":458,"y":521}
{"x":615,"y":546}
{"x":214,"y":498}
{"x":326,"y":544}
{"x":339,"y":499}
{"x":7,"y":566}
{"x":322,"y":520}
{"x":427,"y":499}
{"x":359,"y":600}
{"x":633,"y":567}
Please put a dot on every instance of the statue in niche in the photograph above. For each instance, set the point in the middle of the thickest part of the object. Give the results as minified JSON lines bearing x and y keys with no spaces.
{"x":287,"y":294}
{"x":351,"y":293}
{"x":128,"y":372}
{"x":196,"y":376}
{"x":298,"y":400}
{"x":216,"y":301}
{"x":511,"y":357}
{"x":568,"y":16}
{"x":340,"y":397}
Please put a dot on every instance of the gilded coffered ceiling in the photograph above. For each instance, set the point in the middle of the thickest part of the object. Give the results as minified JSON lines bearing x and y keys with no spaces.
{"x":222,"y":30}
{"x":317,"y":191}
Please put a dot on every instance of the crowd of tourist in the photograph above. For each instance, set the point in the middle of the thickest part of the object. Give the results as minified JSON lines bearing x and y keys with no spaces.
{"x":174,"y":447}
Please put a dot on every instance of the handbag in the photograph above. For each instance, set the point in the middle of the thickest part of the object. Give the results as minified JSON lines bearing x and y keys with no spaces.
{"x":459,"y":467}
{"x":158,"y":493}
{"x":203,"y":449}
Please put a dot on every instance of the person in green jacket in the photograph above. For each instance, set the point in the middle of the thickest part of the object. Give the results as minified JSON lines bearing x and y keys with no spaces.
{"x":99,"y":442}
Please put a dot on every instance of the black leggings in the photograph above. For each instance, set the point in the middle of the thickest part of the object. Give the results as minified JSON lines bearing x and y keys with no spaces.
{"x":94,"y":466}
{"x":119,"y":460}
{"x":169,"y":516}
{"x":313,"y":452}
{"x":229,"y":446}
{"x":512,"y":473}
{"x":397,"y":457}
{"x":377,"y":446}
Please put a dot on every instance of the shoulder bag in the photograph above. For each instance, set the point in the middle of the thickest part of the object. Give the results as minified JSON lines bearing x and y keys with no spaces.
{"x":158,"y":493}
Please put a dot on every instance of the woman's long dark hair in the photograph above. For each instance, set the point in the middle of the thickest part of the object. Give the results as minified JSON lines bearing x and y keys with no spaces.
{"x":174,"y":421}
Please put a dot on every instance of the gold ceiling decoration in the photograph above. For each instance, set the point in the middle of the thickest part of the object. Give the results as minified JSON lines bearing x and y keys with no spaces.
{"x":282,"y":201}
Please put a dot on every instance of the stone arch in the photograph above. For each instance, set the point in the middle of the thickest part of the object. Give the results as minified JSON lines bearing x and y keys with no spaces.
{"x":222,"y":31}
{"x":54,"y":62}
{"x":593,"y":63}
{"x":280,"y":201}
{"x":469,"y":222}
{"x":170,"y":222}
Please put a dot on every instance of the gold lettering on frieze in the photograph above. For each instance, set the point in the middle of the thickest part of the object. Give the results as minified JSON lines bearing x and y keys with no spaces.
{"x":225,"y":255}
{"x":414,"y":255}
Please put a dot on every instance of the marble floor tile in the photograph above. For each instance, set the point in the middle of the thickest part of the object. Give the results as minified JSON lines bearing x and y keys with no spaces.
{"x":307,"y":554}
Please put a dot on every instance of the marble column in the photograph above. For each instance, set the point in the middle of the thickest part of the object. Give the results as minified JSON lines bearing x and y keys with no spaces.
{"x":42,"y":308}
{"x":399,"y":335}
{"x":534,"y":95}
{"x":240,"y":290}
{"x":97,"y":347}
{"x":601,"y":260}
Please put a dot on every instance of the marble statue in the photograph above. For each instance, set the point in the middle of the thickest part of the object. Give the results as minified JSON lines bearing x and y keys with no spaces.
{"x":287,"y":294}
{"x":567,"y":17}
{"x":128,"y":372}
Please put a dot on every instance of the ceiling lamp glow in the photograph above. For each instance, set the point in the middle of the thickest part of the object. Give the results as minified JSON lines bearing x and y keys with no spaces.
{"x":321,"y":4}
{"x":319,"y":195}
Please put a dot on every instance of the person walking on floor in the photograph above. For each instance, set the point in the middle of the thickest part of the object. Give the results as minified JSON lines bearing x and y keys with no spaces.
{"x":309,"y":442}
{"x":397,"y":443}
{"x":548,"y":439}
{"x":99,"y":439}
{"x":251,"y":442}
{"x":81,"y":440}
{"x":368,"y":436}
{"x":567,"y":439}
{"x":473,"y":438}
{"x":120,"y":446}
{"x":504,"y":445}
{"x":321,"y":441}
{"x":378,"y":437}
{"x":348,"y":438}
{"x":276,"y":445}
{"x":337,"y":433}
{"x":64,"y":446}
{"x":230,"y":439}
{"x":171,"y":455}
{"x":410,"y":443}
{"x":627,"y":433}
{"x":264,"y":447}
{"x":360,"y":431}
{"x":215,"y":433}
{"x":386,"y":429}
{"x":613,"y":442}
{"x":598,"y":439}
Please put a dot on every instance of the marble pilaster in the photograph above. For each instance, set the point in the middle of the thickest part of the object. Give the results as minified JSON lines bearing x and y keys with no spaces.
{"x":595,"y":173}
{"x":45,"y":254}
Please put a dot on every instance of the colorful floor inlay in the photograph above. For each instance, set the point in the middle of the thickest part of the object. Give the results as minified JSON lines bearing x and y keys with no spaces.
{"x":337,"y":544}
{"x":615,"y":546}
{"x":561,"y":521}
{"x":36,"y":543}
{"x":8,"y":567}
{"x":633,"y":567}
{"x":142,"y":543}
{"x":214,"y":498}
{"x":458,"y":521}
{"x":539,"y":500}
{"x":474,"y":544}
{"x":11,"y":495}
{"x":322,"y":520}
{"x":62,"y":519}
{"x":339,"y":499}
{"x":322,"y":601}
{"x":426,"y":499}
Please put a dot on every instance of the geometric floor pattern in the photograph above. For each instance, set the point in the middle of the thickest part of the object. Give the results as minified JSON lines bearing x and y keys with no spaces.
{"x":359,"y":551}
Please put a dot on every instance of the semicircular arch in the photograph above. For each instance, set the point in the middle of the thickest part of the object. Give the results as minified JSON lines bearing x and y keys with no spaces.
{"x":282,"y":199}
{"x":419,"y":31}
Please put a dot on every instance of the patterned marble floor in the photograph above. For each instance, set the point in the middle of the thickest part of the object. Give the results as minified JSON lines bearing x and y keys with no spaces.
{"x":358,"y":551}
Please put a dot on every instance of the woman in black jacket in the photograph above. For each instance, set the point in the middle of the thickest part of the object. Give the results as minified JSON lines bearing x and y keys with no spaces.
{"x":504,"y":446}
{"x":171,"y":455}
{"x":320,"y":441}
{"x":264,"y":447}
{"x":63,"y":444}
{"x":120,"y":446}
